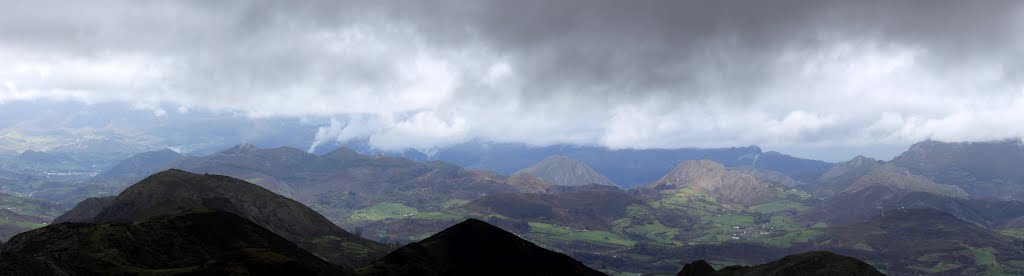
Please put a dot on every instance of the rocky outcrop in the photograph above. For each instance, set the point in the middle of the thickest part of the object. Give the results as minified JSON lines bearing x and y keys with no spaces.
{"x":713,"y":178}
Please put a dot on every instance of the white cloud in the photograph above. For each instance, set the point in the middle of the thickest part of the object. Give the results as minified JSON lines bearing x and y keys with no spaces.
{"x":831,"y":79}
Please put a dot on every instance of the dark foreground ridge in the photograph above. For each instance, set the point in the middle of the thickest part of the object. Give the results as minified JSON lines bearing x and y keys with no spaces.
{"x":474,"y":247}
{"x":810,"y":263}
{"x":204,"y":242}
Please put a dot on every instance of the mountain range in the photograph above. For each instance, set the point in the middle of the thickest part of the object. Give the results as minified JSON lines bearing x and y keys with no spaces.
{"x":179,"y":223}
{"x":737,"y":213}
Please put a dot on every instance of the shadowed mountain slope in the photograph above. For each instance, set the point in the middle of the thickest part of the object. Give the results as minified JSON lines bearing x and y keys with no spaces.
{"x":85,"y":210}
{"x":474,"y":247}
{"x":859,"y":206}
{"x":174,"y":191}
{"x":915,"y":241}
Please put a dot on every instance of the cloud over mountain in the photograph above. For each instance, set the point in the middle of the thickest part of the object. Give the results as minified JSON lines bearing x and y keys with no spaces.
{"x":410,"y":74}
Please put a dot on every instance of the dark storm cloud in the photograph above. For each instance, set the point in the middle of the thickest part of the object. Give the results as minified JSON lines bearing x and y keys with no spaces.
{"x":619,"y":73}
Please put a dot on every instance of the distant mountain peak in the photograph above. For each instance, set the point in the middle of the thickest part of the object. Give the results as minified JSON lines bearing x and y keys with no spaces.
{"x":563,"y":171}
{"x":755,"y":148}
{"x":241,"y":149}
{"x":861,"y":159}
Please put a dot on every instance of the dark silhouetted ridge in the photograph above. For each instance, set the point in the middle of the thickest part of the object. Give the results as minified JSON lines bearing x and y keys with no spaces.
{"x":175,"y":191}
{"x":474,"y":247}
{"x":698,"y":268}
{"x":203,"y":242}
{"x":810,"y":263}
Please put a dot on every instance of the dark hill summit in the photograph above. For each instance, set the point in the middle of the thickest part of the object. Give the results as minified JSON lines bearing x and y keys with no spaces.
{"x":201,"y":242}
{"x":175,"y":191}
{"x":811,"y":263}
{"x":42,"y":157}
{"x":474,"y":247}
{"x":85,"y":210}
{"x":561,"y":170}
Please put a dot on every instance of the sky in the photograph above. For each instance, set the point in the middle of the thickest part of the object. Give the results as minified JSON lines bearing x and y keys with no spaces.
{"x":821,"y":79}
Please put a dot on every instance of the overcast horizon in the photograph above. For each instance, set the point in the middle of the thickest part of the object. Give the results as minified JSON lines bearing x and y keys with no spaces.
{"x":817,"y":79}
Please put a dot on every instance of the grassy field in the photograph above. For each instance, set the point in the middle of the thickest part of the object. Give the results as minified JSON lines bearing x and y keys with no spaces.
{"x":779,"y":206}
{"x":939,"y":267}
{"x":1014,"y":232}
{"x":22,"y":224}
{"x":566,"y":234}
{"x":382,"y":211}
{"x":438,"y":216}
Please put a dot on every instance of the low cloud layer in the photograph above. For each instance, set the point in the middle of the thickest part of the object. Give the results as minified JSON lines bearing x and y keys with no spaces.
{"x":623,"y":74}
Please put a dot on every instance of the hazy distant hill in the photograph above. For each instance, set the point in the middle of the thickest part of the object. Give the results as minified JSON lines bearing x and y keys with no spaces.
{"x":628,"y":168}
{"x":349,"y":187}
{"x":842,"y":175}
{"x":139,"y":166}
{"x":474,"y":247}
{"x":901,"y":179}
{"x":561,"y":170}
{"x":861,"y":205}
{"x":175,"y":191}
{"x":983,"y":169}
